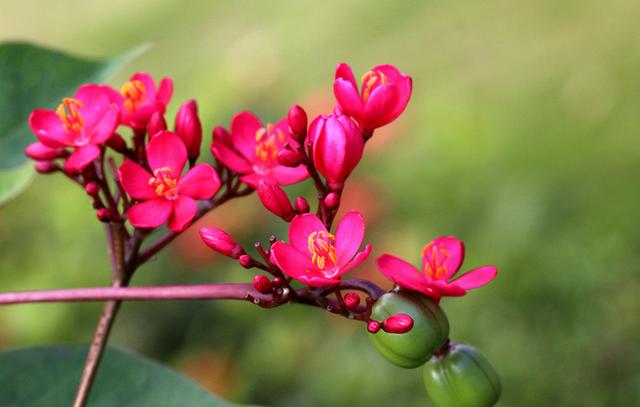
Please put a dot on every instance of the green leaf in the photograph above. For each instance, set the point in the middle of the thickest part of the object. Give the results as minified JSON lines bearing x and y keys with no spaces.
{"x":31,"y":77}
{"x":48,"y":377}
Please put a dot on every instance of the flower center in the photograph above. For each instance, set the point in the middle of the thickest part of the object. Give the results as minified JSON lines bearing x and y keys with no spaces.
{"x":269,"y":142}
{"x":323,"y":251}
{"x":71,"y":119}
{"x":164,"y":183}
{"x":134,"y":94}
{"x":435,"y":255}
{"x":370,"y":81}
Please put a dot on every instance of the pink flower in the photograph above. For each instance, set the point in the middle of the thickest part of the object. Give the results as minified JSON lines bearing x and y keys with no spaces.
{"x":252,"y":151}
{"x":139,"y":99}
{"x":83,"y":122}
{"x":316,"y":257}
{"x":442,"y":259}
{"x":384,"y":95}
{"x":337,"y":146}
{"x":166,"y":195}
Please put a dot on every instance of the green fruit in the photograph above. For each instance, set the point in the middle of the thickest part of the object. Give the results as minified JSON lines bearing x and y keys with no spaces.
{"x":462,"y":377}
{"x":429,"y":332}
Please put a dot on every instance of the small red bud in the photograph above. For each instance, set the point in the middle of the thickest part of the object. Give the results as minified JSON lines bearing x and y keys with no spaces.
{"x":157,"y":123}
{"x":189,"y":128}
{"x":351,"y":300}
{"x":117,"y":143}
{"x":92,"y":189}
{"x":275,"y":200}
{"x":302,"y":206}
{"x":220,"y":241}
{"x":103,"y":215}
{"x":289,"y":158}
{"x":297,"y":118}
{"x":39,"y":152}
{"x":246,"y":261}
{"x":397,"y":324}
{"x":332,"y":200}
{"x":277,"y":282}
{"x":262,"y":284}
{"x":45,"y":167}
{"x":373,"y":326}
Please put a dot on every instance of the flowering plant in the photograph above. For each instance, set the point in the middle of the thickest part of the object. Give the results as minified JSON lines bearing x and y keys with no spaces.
{"x":139,"y":183}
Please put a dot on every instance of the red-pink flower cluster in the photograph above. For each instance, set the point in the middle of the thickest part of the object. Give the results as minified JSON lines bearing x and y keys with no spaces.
{"x":159,"y":180}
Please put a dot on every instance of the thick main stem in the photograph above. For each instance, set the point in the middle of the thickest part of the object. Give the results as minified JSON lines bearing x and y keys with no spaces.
{"x":120,"y":277}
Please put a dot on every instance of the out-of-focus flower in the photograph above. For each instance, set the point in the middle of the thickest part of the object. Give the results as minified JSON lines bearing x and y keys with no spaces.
{"x":165,"y":194}
{"x":316,"y":257}
{"x":139,"y":99}
{"x":383,"y":97}
{"x":442,"y":259}
{"x":337,"y":147}
{"x":252,"y":151}
{"x":83,"y":123}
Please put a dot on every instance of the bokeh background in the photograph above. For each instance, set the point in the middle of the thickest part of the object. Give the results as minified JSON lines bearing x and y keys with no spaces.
{"x":521,"y":138}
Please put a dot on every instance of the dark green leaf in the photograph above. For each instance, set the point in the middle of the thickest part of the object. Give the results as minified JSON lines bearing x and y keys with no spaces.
{"x":48,"y":377}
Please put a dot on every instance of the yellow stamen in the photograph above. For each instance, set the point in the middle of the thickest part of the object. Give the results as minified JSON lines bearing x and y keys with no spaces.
{"x":134,"y":94}
{"x":322,"y":249}
{"x":67,"y":111}
{"x":164,"y":183}
{"x":369,"y":81}
{"x":436,"y":257}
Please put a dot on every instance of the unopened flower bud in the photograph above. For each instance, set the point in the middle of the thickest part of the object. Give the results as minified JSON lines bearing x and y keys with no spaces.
{"x":103,"y":215}
{"x":289,"y":158}
{"x":277,"y":282}
{"x":302,"y":206}
{"x":337,"y":147}
{"x":220,"y":241}
{"x":332,"y":200}
{"x":45,"y":167}
{"x":92,"y":189}
{"x":246,"y":261}
{"x":157,"y":123}
{"x":397,"y":324}
{"x":373,"y":326}
{"x":39,"y":152}
{"x":189,"y":128}
{"x":351,"y":300}
{"x":275,"y":200}
{"x":297,"y":118}
{"x":262,"y":284}
{"x":117,"y":143}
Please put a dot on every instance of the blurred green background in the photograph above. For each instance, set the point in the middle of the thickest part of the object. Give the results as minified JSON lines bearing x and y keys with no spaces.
{"x":521,"y":138}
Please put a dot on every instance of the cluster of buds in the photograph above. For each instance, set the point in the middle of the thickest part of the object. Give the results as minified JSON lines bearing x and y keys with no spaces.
{"x":154,"y":178}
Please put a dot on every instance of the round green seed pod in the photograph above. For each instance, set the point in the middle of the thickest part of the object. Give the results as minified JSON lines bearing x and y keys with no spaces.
{"x":461,"y":377}
{"x":430,"y":329}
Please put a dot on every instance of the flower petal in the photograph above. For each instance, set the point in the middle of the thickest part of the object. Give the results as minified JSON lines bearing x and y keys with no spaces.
{"x":449,"y":248}
{"x":165,"y":91}
{"x":95,"y":101}
{"x":298,"y":266}
{"x":150,"y":214}
{"x":40,"y":152}
{"x":46,"y":125}
{"x":184,"y":209}
{"x":166,"y":149}
{"x":400,"y":272}
{"x":443,"y":289}
{"x":288,"y":175}
{"x":105,"y":127}
{"x":381,"y":106}
{"x":349,"y":236}
{"x":231,"y":159}
{"x":476,"y":277}
{"x":300,"y":229}
{"x":135,"y":180}
{"x":348,"y":98}
{"x":244,"y":127}
{"x":81,"y":157}
{"x":200,"y":182}
{"x":149,"y":85}
{"x":359,"y":258}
